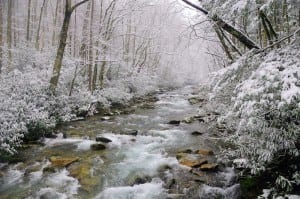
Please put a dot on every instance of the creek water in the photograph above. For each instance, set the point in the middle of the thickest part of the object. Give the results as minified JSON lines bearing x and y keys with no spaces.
{"x":131,"y":167}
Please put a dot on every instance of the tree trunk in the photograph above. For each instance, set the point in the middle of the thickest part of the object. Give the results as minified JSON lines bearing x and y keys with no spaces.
{"x":28,"y":21}
{"x":8,"y":34}
{"x":90,"y":66}
{"x":84,"y":39}
{"x":286,"y":16}
{"x":224,"y":46}
{"x":227,"y":27}
{"x":1,"y":36}
{"x":54,"y":23}
{"x":62,"y":44}
{"x":37,"y":40}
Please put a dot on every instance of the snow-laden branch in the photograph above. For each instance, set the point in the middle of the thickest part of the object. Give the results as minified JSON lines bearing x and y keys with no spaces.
{"x":227,"y":27}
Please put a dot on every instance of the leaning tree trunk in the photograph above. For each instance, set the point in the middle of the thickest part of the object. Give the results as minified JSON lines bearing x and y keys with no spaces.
{"x":62,"y":43}
{"x":227,"y":27}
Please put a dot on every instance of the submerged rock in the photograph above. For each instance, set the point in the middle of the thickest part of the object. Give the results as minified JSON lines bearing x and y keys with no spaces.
{"x":49,"y":169}
{"x":58,"y":161}
{"x":147,"y":106}
{"x":195,"y":100}
{"x":32,"y":168}
{"x":209,"y":167}
{"x":98,"y":147}
{"x":102,"y":139}
{"x":82,"y":172}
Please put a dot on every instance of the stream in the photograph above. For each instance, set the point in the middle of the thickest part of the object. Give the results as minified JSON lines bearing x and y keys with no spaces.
{"x":139,"y":163}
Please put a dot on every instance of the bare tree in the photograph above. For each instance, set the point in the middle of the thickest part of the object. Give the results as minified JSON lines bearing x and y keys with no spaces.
{"x":9,"y":33}
{"x":28,"y":21}
{"x":1,"y":36}
{"x":62,"y":43}
{"x":37,"y":39}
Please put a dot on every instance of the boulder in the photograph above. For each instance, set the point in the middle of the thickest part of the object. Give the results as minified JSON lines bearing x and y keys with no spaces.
{"x":98,"y":147}
{"x":174,"y":122}
{"x":204,"y":152}
{"x":58,"y":161}
{"x":209,"y":167}
{"x":193,"y":163}
{"x":102,"y":139}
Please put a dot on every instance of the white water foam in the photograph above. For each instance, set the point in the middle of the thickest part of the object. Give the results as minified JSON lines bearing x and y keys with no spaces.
{"x":153,"y":190}
{"x":208,"y":192}
{"x":57,"y":185}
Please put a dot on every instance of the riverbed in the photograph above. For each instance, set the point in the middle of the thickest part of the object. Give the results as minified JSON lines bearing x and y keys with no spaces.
{"x":140,"y":159}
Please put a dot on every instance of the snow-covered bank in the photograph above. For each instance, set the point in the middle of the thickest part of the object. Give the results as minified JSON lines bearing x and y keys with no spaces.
{"x":27,"y":107}
{"x":258,"y":98}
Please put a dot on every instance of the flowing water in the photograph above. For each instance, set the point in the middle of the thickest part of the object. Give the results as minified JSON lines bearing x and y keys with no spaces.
{"x":131,"y":167}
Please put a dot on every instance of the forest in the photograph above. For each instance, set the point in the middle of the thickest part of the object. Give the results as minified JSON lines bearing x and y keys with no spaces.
{"x":147,"y":99}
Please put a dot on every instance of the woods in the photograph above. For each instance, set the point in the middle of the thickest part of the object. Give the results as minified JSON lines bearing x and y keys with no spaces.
{"x":81,"y":56}
{"x":149,"y":99}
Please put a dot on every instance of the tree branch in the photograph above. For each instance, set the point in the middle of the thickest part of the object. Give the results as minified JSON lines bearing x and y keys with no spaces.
{"x":196,"y":7}
{"x":78,"y":4}
{"x":227,"y":27}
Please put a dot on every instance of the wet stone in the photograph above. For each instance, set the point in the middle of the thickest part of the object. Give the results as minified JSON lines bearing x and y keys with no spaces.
{"x":204,"y":152}
{"x":185,"y":151}
{"x":195,"y":100}
{"x":136,"y":180}
{"x":102,"y":139}
{"x":188,"y":120}
{"x":193,"y":163}
{"x":98,"y":147}
{"x":196,"y":133}
{"x":58,"y":161}
{"x":174,"y":122}
{"x":82,"y":172}
{"x":209,"y":167}
{"x":49,"y":170}
{"x":131,"y":132}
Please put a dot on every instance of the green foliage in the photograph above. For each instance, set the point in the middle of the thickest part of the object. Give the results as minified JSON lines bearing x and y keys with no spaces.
{"x":36,"y":130}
